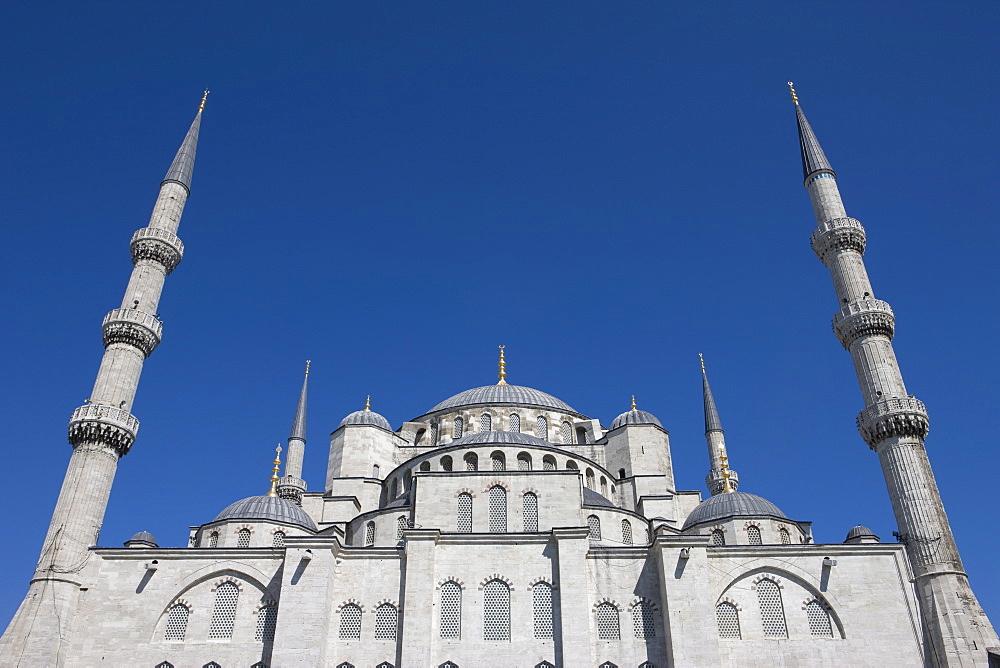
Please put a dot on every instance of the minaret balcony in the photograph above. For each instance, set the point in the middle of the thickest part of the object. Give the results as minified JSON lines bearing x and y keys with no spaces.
{"x":103,"y":425}
{"x":133,"y":327}
{"x":838,"y":234}
{"x":863,"y":317}
{"x":899,"y":416}
{"x":159,"y":245}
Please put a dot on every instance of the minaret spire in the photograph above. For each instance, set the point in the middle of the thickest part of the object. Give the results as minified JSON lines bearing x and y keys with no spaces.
{"x":274,"y":472}
{"x":103,"y":429}
{"x":894,"y":424}
{"x":720,"y":477}
{"x":292,"y":486}
{"x":502,"y":375}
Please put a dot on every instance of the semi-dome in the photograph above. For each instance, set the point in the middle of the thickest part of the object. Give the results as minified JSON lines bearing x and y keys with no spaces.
{"x":367,"y":416}
{"x":514,"y":395}
{"x":500,"y":438}
{"x":732,"y":504}
{"x":635,"y":417}
{"x":269,"y":509}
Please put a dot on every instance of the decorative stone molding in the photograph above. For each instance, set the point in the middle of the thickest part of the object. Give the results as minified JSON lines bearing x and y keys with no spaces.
{"x":221,"y":581}
{"x":546,"y":580}
{"x":132,"y":327}
{"x":751,"y":523}
{"x":465,"y":490}
{"x":460,"y":583}
{"x":495,"y":576}
{"x":266,"y":602}
{"x":387,"y":601}
{"x":496,"y":483}
{"x":105,"y":425}
{"x":602,"y":601}
{"x":838,"y":234}
{"x":531,"y":490}
{"x":726,"y":599}
{"x":182,"y":601}
{"x":158,"y":245}
{"x":863,"y":317}
{"x":884,"y":419}
{"x":241,"y":527}
{"x":642,"y":599}
{"x":767,"y":576}
{"x":351,"y":601}
{"x":816,"y":599}
{"x":718,"y":527}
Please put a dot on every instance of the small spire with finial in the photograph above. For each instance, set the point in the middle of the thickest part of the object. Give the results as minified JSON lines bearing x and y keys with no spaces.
{"x":368,"y":402}
{"x":727,"y":487}
{"x":201,"y":107}
{"x":308,"y":362}
{"x":633,"y":402}
{"x":274,"y":472}
{"x":503,"y":368}
{"x":791,"y":89}
{"x":701,"y":358}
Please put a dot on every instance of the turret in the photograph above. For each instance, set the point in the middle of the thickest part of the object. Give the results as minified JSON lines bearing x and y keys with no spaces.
{"x":292,"y":486}
{"x":720,"y":477}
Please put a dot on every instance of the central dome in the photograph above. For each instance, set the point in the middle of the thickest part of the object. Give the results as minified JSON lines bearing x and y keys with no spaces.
{"x":267,"y":508}
{"x":514,"y":395}
{"x":732,"y":504}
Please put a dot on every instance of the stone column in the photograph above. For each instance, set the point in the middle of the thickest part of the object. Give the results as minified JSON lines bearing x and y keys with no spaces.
{"x":686,"y":600}
{"x":419,"y":596}
{"x":573,"y":643}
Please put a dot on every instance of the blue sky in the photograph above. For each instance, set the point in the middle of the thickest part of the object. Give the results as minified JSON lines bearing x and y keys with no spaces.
{"x":394,"y":189}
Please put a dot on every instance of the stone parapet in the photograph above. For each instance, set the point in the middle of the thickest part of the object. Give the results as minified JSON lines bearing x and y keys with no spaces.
{"x":836,"y":235}
{"x":157,"y":244}
{"x":291,"y":488}
{"x":107,"y":425}
{"x":715,"y":481}
{"x":863,"y":317}
{"x":134,"y":327}
{"x":893,"y":417}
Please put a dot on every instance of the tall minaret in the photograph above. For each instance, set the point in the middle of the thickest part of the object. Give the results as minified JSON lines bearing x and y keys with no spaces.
{"x":292,"y":486}
{"x":720,"y":478}
{"x":103,"y":429}
{"x":894,"y":424}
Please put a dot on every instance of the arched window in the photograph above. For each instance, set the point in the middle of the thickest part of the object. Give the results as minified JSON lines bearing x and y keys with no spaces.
{"x":566,"y":432}
{"x":278,"y":540}
{"x":370,"y":534}
{"x":464,"y":513}
{"x":446,"y":463}
{"x":451,"y":610}
{"x":572,"y":466}
{"x":212,"y":664}
{"x":459,"y":424}
{"x":548,"y":463}
{"x":772,"y":613}
{"x":350,"y":622}
{"x":626,"y":532}
{"x":425,"y":466}
{"x":718,"y":537}
{"x":785,"y":538}
{"x":644,"y":620}
{"x":267,"y":617}
{"x":496,"y":610}
{"x":581,"y":436}
{"x":243,"y":538}
{"x":376,"y":471}
{"x":589,"y":478}
{"x":621,"y":474}
{"x":529,"y":511}
{"x":164,"y":664}
{"x":514,"y":422}
{"x":394,"y":489}
{"x":401,"y":524}
{"x":434,"y":433}
{"x":542,"y":428}
{"x":177,"y":622}
{"x":417,"y":440}
{"x":213,"y":539}
{"x":471,"y":462}
{"x":485,"y":422}
{"x":819,"y":620}
{"x":594,"y":524}
{"x":498,"y":509}
{"x":604,"y":486}
{"x":498,"y":462}
{"x":224,"y":611}
{"x":753,"y":534}
{"x":524,"y":462}
{"x":607,"y":622}
{"x":386,"y":617}
{"x":728,"y":619}
{"x":541,"y":604}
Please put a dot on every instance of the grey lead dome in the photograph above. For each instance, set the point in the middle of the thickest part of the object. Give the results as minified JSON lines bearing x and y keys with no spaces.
{"x":516,"y":395}
{"x":268,"y":508}
{"x":366,"y":416}
{"x":636,"y":417}
{"x":500,"y":437}
{"x":732,"y":504}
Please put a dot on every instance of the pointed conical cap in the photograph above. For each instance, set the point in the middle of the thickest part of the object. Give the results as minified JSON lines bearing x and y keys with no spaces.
{"x":182,"y":168}
{"x":299,"y":423}
{"x":712,"y":421}
{"x":813,"y":158}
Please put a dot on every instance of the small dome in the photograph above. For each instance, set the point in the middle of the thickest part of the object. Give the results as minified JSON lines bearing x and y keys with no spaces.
{"x":514,"y":395}
{"x":860,"y":532}
{"x":141,"y":539}
{"x":635,"y":416}
{"x":732,"y":504}
{"x":500,"y":438}
{"x":269,"y":509}
{"x":367,"y":416}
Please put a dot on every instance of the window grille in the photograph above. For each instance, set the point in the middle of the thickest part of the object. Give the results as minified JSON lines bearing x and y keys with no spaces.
{"x":448,"y":664}
{"x":529,"y":511}
{"x":345,"y":665}
{"x":718,"y":537}
{"x":211,"y":664}
{"x":514,"y":422}
{"x":446,"y":463}
{"x":524,"y":462}
{"x":647,"y":664}
{"x":819,"y":620}
{"x":607,"y":622}
{"x":542,"y":428}
{"x":425,"y":466}
{"x":545,"y":664}
{"x":572,"y":466}
{"x":464,"y":513}
{"x":259,"y":664}
{"x":164,"y":664}
{"x":772,"y":614}
{"x":434,"y":433}
{"x":350,"y":622}
{"x":644,"y":620}
{"x":604,"y":486}
{"x":213,"y":539}
{"x":224,"y":612}
{"x":566,"y":433}
{"x":267,"y":617}
{"x":648,"y":536}
{"x":608,"y":664}
{"x":498,"y":509}
{"x":497,"y":462}
{"x":401,"y":524}
{"x":451,"y":611}
{"x":626,"y":532}
{"x":385,"y":622}
{"x":385,"y":664}
{"x":728,"y":619}
{"x":471,"y":462}
{"x":375,"y":471}
{"x":548,"y":463}
{"x":485,"y":422}
{"x":459,"y":424}
{"x":243,"y":538}
{"x":278,"y":540}
{"x":594,"y":523}
{"x":177,"y":622}
{"x":369,"y":534}
{"x":496,"y":610}
{"x":589,"y":477}
{"x":753,"y":534}
{"x":581,"y":436}
{"x":785,"y":538}
{"x":541,"y":600}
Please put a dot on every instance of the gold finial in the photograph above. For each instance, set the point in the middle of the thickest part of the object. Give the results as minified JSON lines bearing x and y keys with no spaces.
{"x":702,"y":360}
{"x":368,"y":402}
{"x":791,"y":89}
{"x":633,"y":402}
{"x":274,"y":473}
{"x":503,"y":369}
{"x":308,"y":362}
{"x":727,"y":486}
{"x":201,"y":107}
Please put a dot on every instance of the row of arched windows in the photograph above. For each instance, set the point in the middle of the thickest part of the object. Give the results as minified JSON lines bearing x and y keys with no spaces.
{"x":513,"y":424}
{"x":243,"y":538}
{"x":753,"y":536}
{"x":772,"y":615}
{"x":609,"y":624}
{"x":386,"y":622}
{"x":223,"y":617}
{"x":497,"y":500}
{"x":496,"y":610}
{"x":594,"y":526}
{"x":402,"y":523}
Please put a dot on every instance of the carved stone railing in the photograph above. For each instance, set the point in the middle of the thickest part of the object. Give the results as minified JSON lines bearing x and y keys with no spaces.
{"x":153,"y":243}
{"x":291,"y":488}
{"x":884,"y":419}
{"x":836,"y":235}
{"x":864,"y":317}
{"x":716,"y":482}
{"x":134,"y":327}
{"x":105,"y":425}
